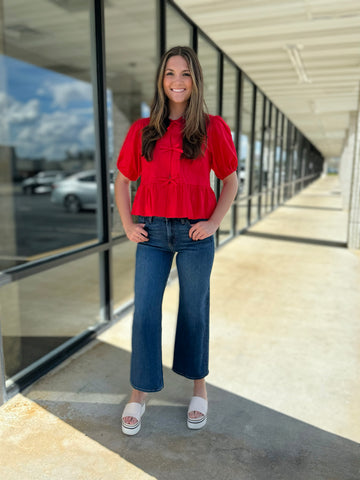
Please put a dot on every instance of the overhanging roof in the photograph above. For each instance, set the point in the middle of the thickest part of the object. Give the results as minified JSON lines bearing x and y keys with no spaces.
{"x":258,"y":34}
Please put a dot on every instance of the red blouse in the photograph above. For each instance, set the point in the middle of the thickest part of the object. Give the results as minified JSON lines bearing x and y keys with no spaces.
{"x":171,"y":186}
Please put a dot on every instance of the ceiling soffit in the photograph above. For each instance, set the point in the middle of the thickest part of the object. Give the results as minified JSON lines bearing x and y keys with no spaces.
{"x":258,"y":35}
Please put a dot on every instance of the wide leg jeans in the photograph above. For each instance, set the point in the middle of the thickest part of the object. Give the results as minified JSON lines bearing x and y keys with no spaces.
{"x":194,"y":260}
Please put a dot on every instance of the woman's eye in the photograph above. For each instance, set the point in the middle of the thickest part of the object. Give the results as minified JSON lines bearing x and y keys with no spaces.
{"x":168,"y":74}
{"x":187,"y":75}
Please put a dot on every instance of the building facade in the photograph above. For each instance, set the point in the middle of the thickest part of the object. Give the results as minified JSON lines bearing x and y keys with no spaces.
{"x":74,"y":76}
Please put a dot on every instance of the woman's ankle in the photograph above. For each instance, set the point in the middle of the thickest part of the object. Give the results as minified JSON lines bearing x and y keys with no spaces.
{"x":200,"y":388}
{"x":137,"y":396}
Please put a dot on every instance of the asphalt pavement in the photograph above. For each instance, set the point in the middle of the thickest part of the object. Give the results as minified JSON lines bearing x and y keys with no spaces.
{"x":42,"y":227}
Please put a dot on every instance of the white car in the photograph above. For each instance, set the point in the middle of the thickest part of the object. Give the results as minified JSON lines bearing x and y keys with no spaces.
{"x":78,"y":192}
{"x":41,"y":182}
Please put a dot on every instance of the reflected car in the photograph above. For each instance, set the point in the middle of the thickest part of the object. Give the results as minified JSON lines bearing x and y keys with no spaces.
{"x":78,"y":192}
{"x":41,"y":182}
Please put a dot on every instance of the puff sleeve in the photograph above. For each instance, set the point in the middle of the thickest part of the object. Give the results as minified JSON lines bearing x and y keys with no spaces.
{"x":222,"y":149}
{"x":129,"y":160}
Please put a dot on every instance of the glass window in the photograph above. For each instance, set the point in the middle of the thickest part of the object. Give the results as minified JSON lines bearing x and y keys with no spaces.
{"x":266,"y":156}
{"x":268,"y":161}
{"x":43,"y":311}
{"x":288,"y":163}
{"x":295,"y":161}
{"x":301,"y":171}
{"x":284,"y":157}
{"x":229,"y":115}
{"x":245,"y":151}
{"x":257,"y":148}
{"x":131,"y":62}
{"x":46,"y":130}
{"x":123,"y":272}
{"x":178,"y":31}
{"x":256,"y":180}
{"x":278,"y":155}
{"x":209,"y":60}
{"x":272,"y":186}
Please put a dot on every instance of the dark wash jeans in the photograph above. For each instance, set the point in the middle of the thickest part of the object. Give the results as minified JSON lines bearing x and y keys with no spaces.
{"x":194,"y":261}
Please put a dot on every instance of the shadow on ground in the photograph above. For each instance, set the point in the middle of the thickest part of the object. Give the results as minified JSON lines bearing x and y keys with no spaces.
{"x":243,"y":440}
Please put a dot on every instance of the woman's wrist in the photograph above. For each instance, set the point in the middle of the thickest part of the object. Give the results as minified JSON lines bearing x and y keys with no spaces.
{"x":214,"y":223}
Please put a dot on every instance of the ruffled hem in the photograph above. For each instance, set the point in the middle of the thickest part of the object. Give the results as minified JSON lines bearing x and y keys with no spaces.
{"x":174,"y":201}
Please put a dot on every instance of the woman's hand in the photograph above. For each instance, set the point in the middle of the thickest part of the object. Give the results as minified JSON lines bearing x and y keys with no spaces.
{"x":202,"y":230}
{"x":136,"y":232}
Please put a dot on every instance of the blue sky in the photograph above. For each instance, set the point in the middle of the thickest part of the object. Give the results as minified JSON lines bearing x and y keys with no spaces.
{"x":44,"y":113}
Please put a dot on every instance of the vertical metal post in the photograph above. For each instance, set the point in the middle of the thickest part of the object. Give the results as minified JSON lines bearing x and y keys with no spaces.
{"x":194,"y":40}
{"x":101,"y":154}
{"x":161,"y":30}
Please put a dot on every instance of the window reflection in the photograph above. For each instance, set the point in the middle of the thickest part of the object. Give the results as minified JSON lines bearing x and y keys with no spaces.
{"x":131,"y":61}
{"x":46,"y":128}
{"x":208,"y":57}
{"x":178,"y":31}
{"x":278,"y":157}
{"x":245,"y":151}
{"x":43,"y":311}
{"x":229,"y":115}
{"x":256,"y":185}
{"x":271,"y":185}
{"x":283,"y":161}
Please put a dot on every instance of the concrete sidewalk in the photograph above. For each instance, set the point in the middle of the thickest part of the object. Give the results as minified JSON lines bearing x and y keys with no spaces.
{"x":284,"y":394}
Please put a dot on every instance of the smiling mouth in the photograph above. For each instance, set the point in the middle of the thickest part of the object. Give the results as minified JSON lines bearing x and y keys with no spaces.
{"x":178,"y":90}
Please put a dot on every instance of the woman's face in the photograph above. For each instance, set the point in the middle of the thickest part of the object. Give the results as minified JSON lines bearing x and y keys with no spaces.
{"x":177,"y":81}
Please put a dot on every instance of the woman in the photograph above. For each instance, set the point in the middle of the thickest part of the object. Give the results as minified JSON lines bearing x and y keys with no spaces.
{"x":173,"y":151}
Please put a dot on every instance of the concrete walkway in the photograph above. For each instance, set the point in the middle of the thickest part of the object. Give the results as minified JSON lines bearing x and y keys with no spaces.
{"x":284,"y":392}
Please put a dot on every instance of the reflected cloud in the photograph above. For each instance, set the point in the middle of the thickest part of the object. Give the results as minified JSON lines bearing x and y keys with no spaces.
{"x":45,"y":114}
{"x":70,"y":92}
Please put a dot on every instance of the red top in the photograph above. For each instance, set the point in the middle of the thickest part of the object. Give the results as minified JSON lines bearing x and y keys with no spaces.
{"x":171,"y":186}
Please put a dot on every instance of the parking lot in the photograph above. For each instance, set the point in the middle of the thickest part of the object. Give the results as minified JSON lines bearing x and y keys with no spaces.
{"x":42,"y":227}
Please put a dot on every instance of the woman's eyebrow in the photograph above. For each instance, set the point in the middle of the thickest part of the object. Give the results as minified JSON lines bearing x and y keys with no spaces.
{"x":172,"y":70}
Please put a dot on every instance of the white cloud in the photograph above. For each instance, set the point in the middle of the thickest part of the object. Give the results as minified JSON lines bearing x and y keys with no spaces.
{"x":44,"y":134}
{"x":68,"y":92}
{"x":17,"y":112}
{"x":54,"y":134}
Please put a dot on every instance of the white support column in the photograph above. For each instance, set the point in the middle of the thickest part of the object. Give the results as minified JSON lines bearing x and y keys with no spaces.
{"x":346,"y":161}
{"x":354,"y":200}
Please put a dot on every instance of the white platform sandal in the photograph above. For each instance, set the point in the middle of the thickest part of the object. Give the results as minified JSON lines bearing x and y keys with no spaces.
{"x":197,"y":404}
{"x":135,"y":410}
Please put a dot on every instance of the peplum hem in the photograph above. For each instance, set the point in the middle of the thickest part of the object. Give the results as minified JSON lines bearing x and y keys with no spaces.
{"x":174,"y":200}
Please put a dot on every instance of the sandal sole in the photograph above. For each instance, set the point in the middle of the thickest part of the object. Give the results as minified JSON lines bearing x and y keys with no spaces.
{"x":195,"y":423}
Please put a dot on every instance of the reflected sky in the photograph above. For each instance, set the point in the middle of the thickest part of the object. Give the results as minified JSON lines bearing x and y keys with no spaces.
{"x":45,"y":114}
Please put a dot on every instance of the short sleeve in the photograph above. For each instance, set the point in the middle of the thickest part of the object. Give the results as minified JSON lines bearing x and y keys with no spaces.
{"x":129,"y":160}
{"x":220,"y":143}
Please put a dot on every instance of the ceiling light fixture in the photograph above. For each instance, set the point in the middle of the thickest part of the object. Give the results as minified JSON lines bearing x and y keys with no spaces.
{"x":294,"y":54}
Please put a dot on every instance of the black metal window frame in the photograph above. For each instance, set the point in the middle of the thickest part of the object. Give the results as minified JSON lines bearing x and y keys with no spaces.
{"x":309,"y":168}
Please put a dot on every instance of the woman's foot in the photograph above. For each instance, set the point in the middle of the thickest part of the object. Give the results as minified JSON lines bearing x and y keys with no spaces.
{"x":199,"y":391}
{"x":136,"y":397}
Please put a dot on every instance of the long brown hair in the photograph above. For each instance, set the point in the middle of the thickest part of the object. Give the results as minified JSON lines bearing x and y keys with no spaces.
{"x":194,"y":132}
